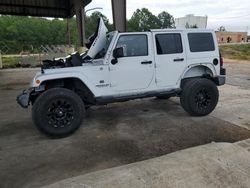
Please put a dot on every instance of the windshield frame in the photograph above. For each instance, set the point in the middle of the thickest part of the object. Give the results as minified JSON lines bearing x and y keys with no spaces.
{"x":110,"y":46}
{"x":109,"y":40}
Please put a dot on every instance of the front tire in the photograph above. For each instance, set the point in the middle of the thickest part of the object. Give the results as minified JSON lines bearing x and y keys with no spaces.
{"x":58,"y":112}
{"x":199,"y":96}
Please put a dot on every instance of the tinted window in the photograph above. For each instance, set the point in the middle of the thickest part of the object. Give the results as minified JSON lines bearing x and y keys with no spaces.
{"x":201,"y":42}
{"x":133,"y":45}
{"x":168,"y":43}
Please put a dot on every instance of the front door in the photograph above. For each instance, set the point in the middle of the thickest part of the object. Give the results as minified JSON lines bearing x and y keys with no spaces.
{"x":135,"y":70}
{"x":170,"y":58}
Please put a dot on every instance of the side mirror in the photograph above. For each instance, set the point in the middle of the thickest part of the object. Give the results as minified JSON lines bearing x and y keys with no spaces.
{"x":118,"y":52}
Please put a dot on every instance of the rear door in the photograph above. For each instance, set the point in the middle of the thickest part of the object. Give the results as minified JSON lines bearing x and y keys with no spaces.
{"x":170,"y":58}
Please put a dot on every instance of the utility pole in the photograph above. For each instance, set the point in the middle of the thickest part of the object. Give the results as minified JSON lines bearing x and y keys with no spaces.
{"x":119,"y":14}
{"x":79,"y":10}
{"x":1,"y":62}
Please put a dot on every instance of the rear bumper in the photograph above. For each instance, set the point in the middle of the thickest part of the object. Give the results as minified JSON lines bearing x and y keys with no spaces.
{"x":23,"y":99}
{"x":221,"y":79}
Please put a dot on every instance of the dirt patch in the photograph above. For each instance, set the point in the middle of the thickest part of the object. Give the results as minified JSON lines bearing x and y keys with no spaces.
{"x":235,"y":61}
{"x":14,"y":85}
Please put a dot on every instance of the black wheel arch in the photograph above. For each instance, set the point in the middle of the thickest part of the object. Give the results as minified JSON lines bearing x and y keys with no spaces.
{"x":74,"y":84}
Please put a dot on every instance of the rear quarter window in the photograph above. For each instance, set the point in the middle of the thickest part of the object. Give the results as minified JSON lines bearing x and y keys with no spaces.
{"x":201,"y":42}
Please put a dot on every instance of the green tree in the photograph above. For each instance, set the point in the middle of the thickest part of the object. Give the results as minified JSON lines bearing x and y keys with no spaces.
{"x":143,"y":20}
{"x":166,"y":20}
{"x":91,"y":22}
{"x":27,"y":33}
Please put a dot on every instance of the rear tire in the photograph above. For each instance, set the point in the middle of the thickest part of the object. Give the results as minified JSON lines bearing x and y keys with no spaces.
{"x":199,"y":96}
{"x":58,"y":112}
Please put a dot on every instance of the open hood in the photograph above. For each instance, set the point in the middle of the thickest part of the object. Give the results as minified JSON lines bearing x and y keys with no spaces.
{"x":98,"y":40}
{"x":96,"y":43}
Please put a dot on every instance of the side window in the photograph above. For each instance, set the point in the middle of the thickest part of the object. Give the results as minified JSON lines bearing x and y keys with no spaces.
{"x":133,"y":45}
{"x":169,"y":43}
{"x":201,"y":42}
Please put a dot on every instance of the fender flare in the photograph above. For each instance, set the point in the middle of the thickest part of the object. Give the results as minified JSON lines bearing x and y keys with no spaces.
{"x":64,"y":75}
{"x":207,"y":66}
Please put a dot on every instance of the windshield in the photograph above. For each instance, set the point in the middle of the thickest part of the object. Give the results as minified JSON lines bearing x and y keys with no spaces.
{"x":109,"y":38}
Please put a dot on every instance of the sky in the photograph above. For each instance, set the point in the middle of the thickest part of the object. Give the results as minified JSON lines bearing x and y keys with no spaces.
{"x":233,"y":14}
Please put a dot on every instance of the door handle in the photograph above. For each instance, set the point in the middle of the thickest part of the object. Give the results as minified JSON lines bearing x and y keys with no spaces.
{"x":146,"y":62}
{"x":179,"y":59}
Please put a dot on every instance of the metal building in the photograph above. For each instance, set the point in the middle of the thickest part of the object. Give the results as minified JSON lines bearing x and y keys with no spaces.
{"x":191,"y":20}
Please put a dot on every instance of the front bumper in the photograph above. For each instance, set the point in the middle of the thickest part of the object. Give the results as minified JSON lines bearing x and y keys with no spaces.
{"x":24,"y":98}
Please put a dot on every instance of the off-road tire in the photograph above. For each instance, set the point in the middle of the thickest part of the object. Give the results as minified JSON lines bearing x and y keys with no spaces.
{"x":199,"y":96}
{"x":58,"y":112}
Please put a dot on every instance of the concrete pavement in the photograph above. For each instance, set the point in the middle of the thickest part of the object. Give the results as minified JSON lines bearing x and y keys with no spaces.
{"x":115,"y":135}
{"x":208,"y":166}
{"x":211,"y":165}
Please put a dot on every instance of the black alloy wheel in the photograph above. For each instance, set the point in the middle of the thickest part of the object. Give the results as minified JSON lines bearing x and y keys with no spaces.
{"x":199,"y":96}
{"x":58,"y":112}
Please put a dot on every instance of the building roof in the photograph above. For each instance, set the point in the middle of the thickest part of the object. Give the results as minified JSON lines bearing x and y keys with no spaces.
{"x":41,"y":8}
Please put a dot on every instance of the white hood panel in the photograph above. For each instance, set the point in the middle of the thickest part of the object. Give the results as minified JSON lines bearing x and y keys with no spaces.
{"x":100,"y":40}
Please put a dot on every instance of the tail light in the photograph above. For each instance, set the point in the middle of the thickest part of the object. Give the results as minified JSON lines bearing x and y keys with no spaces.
{"x":222,"y":70}
{"x":221,"y":61}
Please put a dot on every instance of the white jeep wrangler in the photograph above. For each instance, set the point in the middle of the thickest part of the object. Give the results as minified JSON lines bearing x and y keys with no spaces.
{"x":123,"y":66}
